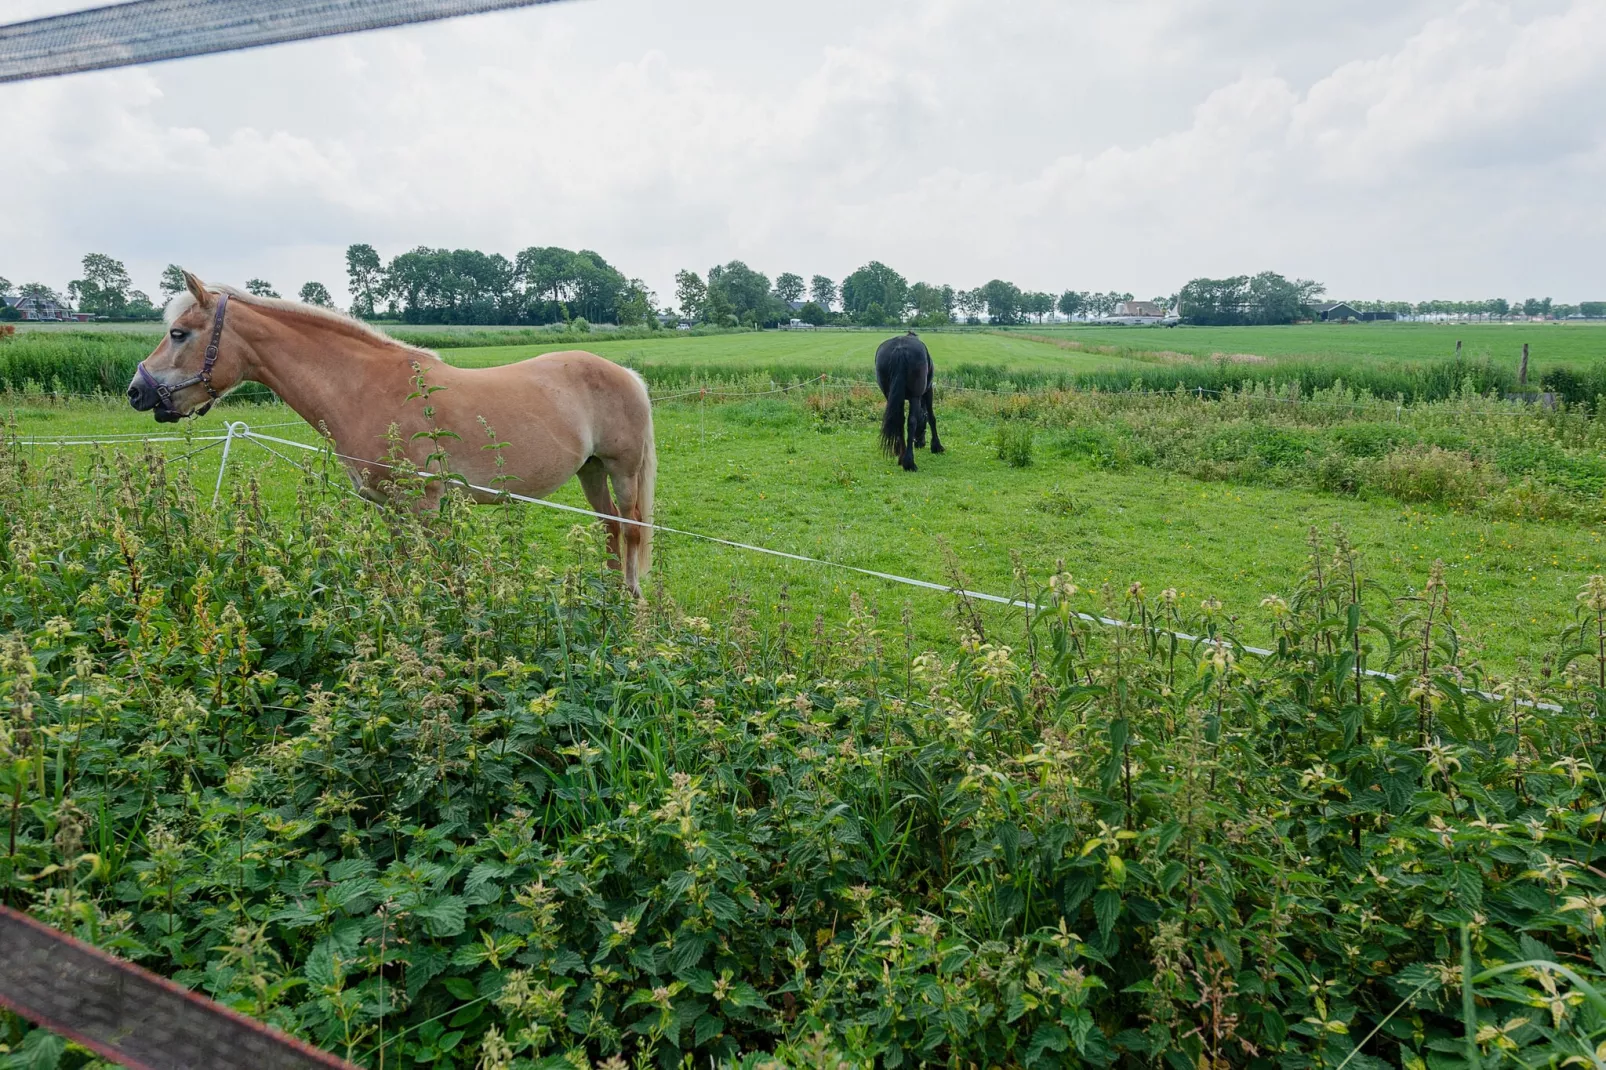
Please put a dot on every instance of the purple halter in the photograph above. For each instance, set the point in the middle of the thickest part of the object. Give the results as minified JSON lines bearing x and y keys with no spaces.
{"x":204,"y":378}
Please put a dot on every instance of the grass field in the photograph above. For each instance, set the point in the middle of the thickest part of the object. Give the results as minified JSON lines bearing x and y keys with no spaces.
{"x":770,"y":471}
{"x":1558,"y":343}
{"x":429,"y":791}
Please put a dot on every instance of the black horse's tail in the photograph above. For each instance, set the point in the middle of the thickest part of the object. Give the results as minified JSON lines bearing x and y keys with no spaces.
{"x":892,"y":429}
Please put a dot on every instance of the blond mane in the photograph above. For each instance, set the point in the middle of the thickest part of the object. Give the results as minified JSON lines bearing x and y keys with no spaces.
{"x":184,"y":300}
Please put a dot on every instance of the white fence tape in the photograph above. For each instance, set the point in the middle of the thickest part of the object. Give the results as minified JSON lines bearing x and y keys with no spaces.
{"x":239,"y":429}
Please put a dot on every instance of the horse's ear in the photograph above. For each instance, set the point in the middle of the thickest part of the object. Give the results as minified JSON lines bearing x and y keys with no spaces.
{"x":198,"y":290}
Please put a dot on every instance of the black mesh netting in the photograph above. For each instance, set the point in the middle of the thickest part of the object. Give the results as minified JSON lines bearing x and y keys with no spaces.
{"x":148,"y":30}
{"x":129,"y":1014}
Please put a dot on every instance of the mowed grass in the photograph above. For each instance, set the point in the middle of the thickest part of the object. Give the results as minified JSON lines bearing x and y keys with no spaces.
{"x":1548,"y":343}
{"x":765,"y":471}
{"x":850,"y":353}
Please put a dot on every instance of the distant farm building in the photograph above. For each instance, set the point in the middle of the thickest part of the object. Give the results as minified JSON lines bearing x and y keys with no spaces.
{"x":45,"y":310}
{"x":1139,"y":310}
{"x":1338,"y":310}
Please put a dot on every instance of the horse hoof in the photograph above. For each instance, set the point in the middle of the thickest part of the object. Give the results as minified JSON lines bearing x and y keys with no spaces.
{"x":936,"y":447}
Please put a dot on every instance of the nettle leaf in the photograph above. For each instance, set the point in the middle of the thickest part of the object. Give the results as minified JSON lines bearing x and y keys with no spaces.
{"x":1046,"y":1038}
{"x":1107,"y":907}
{"x":445,"y":915}
{"x":460,"y":987}
{"x":709,"y":1026}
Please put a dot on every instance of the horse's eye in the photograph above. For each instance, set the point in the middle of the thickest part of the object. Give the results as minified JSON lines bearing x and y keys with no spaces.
{"x":177,"y":335}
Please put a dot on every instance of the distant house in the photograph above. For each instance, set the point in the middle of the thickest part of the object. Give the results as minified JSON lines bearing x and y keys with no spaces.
{"x":1138,"y":310}
{"x":1338,"y":310}
{"x":1371,"y":317}
{"x":46,"y":310}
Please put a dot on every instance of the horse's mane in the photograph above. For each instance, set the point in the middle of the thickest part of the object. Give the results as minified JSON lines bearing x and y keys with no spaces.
{"x":339,"y":321}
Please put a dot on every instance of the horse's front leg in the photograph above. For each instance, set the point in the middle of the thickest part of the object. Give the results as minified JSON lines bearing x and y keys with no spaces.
{"x":931,"y":418}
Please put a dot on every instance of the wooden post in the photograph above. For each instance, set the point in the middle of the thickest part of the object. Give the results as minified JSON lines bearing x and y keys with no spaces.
{"x":1522,"y":372}
{"x":1458,"y":349}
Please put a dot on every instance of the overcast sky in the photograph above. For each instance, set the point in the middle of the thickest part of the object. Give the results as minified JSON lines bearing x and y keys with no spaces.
{"x":1403,"y":149}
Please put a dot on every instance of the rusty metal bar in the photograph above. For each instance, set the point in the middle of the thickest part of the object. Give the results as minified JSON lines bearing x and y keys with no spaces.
{"x":146,"y":31}
{"x":130,"y":1015}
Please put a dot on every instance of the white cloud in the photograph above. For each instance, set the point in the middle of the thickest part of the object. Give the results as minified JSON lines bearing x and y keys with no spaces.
{"x":1414,"y":149}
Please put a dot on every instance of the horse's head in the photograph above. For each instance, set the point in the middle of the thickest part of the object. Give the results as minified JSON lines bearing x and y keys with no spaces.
{"x":197,"y":362}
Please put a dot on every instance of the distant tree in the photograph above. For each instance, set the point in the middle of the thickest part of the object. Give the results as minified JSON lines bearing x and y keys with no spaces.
{"x":718,"y":310}
{"x":140,"y":307}
{"x":692,"y":294}
{"x":103,"y":291}
{"x":1592,"y":309}
{"x":365,"y":279}
{"x":1003,"y":300}
{"x":1241,"y":299}
{"x":748,"y":293}
{"x":971,"y":303}
{"x":316,"y":293}
{"x":875,"y":284}
{"x":5,"y":286}
{"x":635,"y":308}
{"x":1072,"y":302}
{"x":38,"y":291}
{"x":789,"y":287}
{"x":1562,"y":311}
{"x":260,"y":288}
{"x":933,"y":305}
{"x":172,"y":281}
{"x":1037,"y":304}
{"x":1536,"y":306}
{"x":822,"y":291}
{"x":812,"y":312}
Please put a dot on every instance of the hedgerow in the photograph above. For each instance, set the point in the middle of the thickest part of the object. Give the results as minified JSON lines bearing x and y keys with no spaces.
{"x":429,"y":793}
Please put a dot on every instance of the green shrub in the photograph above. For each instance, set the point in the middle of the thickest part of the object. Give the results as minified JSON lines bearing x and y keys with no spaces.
{"x":424,"y":790}
{"x":1013,"y":443}
{"x":1431,"y":474}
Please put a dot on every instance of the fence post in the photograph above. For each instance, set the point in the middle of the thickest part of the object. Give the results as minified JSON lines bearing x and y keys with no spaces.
{"x":234,"y":428}
{"x":1522,"y":372}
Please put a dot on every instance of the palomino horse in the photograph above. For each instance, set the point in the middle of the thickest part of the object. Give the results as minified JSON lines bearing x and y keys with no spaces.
{"x":560,"y":414}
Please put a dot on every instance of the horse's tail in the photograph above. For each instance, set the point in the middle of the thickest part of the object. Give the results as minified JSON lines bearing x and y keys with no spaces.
{"x":892,"y":422}
{"x":646,"y":481}
{"x":646,"y":478}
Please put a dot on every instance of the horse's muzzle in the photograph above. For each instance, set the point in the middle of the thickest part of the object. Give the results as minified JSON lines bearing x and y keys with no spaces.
{"x":142,"y":395}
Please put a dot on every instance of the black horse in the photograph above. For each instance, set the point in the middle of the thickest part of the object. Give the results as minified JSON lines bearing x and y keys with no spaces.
{"x":903,"y":368}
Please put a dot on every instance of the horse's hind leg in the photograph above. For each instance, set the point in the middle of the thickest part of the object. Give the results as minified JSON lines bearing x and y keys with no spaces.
{"x":594,"y":481}
{"x":624,"y":491}
{"x":908,"y":459}
{"x":931,"y":418}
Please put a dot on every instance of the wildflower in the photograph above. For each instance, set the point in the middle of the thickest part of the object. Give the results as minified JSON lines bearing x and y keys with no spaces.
{"x":1593,"y":594}
{"x":1591,"y":905}
{"x":1061,"y":586}
{"x":1275,"y":603}
{"x":1211,"y":606}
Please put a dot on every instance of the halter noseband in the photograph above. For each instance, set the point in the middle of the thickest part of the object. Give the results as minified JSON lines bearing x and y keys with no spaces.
{"x":204,"y":377}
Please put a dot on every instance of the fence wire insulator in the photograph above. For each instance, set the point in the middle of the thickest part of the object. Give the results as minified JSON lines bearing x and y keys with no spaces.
{"x":147,"y":31}
{"x":128,"y":1014}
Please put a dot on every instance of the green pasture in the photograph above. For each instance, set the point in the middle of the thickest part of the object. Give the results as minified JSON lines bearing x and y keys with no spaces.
{"x":849,"y":353}
{"x":1556,"y":343}
{"x":770,"y":471}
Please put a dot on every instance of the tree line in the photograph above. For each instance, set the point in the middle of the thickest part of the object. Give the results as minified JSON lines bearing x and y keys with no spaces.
{"x":548,"y":284}
{"x":873,"y":296}
{"x":107,"y":292}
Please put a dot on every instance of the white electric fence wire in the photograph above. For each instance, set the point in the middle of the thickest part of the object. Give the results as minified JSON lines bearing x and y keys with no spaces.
{"x":888,"y":576}
{"x":239,"y":429}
